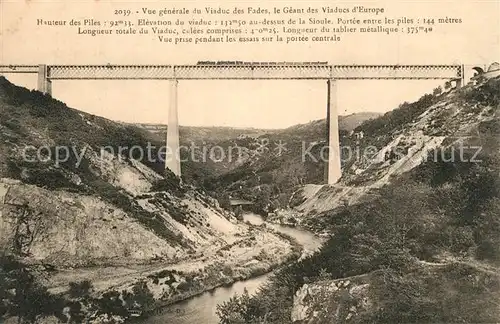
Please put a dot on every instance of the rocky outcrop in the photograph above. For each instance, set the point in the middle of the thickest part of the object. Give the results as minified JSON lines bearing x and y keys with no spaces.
{"x":68,"y":230}
{"x":332,"y":301}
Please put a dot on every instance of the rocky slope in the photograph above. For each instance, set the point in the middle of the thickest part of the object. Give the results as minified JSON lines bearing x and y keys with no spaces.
{"x":81,"y":195}
{"x":389,"y":149}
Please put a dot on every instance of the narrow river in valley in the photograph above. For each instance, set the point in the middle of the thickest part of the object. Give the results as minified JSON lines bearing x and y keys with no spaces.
{"x":201,"y":309}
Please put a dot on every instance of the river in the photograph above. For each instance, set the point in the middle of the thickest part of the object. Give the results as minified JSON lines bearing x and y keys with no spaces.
{"x":202,"y":308}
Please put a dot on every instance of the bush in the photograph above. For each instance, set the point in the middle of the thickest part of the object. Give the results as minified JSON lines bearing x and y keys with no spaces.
{"x":80,"y":289}
{"x":140,"y":298}
{"x":170,"y":183}
{"x":486,"y":94}
{"x":441,"y":295}
{"x":111,"y":304}
{"x":23,"y":296}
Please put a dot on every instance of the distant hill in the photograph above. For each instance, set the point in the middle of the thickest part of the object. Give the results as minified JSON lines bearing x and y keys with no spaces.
{"x":350,"y":122}
{"x":235,"y":172}
{"x":202,"y":134}
{"x":221,"y":133}
{"x":265,"y":168}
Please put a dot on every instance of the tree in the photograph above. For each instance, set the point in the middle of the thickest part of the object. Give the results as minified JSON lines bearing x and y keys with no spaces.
{"x":22,"y":296}
{"x":234,"y":310}
{"x":110,"y":304}
{"x":263,"y":199}
{"x":224,"y":200}
{"x":239,"y":213}
{"x":437,"y":91}
{"x":79,"y":289}
{"x":141,"y":297}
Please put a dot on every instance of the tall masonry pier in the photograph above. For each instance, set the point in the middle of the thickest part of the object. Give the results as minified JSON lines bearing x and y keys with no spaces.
{"x":172,"y":158}
{"x":238,"y":70}
{"x":44,"y":83}
{"x":334,"y":158}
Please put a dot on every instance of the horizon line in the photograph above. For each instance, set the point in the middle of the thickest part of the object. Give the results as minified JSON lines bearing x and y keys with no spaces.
{"x":242,"y":127}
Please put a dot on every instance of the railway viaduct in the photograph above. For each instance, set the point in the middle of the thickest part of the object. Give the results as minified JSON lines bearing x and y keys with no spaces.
{"x":224,"y":70}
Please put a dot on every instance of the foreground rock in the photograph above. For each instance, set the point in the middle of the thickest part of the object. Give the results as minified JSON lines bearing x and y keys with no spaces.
{"x":384,"y":296}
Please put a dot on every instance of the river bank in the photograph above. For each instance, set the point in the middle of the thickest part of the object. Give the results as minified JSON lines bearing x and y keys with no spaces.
{"x":221,"y":276}
{"x":202,"y":307}
{"x":185,"y":292}
{"x":121,"y":293}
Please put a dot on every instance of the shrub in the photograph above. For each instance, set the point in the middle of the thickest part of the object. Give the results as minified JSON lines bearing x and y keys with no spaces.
{"x":80,"y":289}
{"x":486,"y":94}
{"x":23,"y":296}
{"x":111,"y":304}
{"x":140,"y":298}
{"x":170,"y":183}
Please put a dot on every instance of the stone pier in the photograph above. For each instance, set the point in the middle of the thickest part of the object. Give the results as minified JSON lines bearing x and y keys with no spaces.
{"x":172,"y":158}
{"x":334,"y":167}
{"x":44,"y":84}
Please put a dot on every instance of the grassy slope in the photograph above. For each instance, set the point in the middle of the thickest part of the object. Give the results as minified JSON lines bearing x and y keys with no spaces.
{"x":269,"y":176}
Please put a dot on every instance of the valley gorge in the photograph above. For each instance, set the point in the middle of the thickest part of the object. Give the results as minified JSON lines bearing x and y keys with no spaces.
{"x":400,"y":238}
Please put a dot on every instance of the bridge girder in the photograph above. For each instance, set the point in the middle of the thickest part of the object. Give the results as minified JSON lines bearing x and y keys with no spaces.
{"x":242,"y":72}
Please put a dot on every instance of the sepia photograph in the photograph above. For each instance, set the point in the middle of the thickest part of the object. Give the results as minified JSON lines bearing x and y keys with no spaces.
{"x":249,"y":162}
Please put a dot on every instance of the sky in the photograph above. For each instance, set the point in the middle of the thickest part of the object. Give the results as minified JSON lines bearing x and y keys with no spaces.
{"x":252,"y":103}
